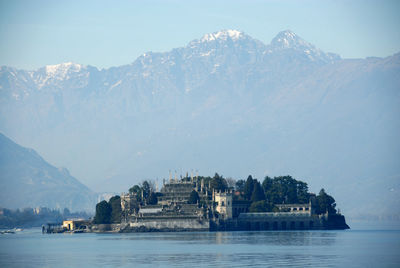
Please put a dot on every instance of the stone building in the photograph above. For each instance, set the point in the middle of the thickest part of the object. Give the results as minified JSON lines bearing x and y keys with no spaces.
{"x":295,"y":208}
{"x":76,"y":224}
{"x":224,"y":203}
{"x":176,"y":192}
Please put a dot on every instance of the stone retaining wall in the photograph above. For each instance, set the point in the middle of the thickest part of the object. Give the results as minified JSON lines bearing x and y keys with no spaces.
{"x":176,"y":224}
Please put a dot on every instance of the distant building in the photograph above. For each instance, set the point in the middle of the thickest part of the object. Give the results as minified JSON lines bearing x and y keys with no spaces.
{"x":76,"y":224}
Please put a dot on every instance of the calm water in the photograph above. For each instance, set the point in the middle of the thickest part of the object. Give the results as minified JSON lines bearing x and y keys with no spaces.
{"x":350,"y":248}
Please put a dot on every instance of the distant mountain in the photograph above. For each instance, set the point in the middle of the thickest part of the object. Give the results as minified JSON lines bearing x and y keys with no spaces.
{"x":27,"y":180}
{"x":225,"y":102}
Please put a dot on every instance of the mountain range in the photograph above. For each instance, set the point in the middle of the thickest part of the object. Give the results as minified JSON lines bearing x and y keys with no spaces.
{"x":225,"y":103}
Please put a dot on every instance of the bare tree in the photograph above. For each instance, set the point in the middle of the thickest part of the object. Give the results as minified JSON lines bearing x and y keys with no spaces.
{"x":231,"y":182}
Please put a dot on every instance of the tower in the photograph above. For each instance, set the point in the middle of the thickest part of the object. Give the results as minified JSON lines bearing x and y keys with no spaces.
{"x":223,"y":202}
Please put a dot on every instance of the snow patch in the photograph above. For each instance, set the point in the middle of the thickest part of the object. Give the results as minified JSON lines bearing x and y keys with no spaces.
{"x":222,"y":35}
{"x":116,"y":84}
{"x":15,"y":96}
{"x":58,"y":71}
{"x":206,"y":54}
{"x":62,"y":69}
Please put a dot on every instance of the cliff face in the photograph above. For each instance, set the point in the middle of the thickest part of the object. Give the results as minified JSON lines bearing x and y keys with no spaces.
{"x":27,"y":180}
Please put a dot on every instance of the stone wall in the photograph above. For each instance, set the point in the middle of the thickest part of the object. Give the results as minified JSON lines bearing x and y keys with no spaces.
{"x":172,"y":224}
{"x":272,"y":221}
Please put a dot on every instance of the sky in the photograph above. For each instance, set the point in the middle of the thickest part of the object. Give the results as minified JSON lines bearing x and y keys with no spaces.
{"x":113,"y":33}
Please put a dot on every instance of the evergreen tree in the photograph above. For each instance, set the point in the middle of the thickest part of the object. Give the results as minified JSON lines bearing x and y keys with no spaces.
{"x":218,"y":183}
{"x":325,"y":203}
{"x":137,"y":191}
{"x":248,"y":187}
{"x":267,"y":184}
{"x":285,"y":189}
{"x":239,"y":186}
{"x":146,"y":188}
{"x":258,"y":193}
{"x":103,"y":213}
{"x":152,"y":200}
{"x":115,"y":204}
{"x":193,"y":198}
{"x":302,"y":192}
{"x":261,"y":206}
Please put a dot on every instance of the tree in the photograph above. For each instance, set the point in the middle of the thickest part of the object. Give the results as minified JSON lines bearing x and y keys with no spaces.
{"x":302,"y":192}
{"x":325,"y":203}
{"x":152,"y":200}
{"x":267,"y":184}
{"x":116,"y":211}
{"x":248,"y":187}
{"x":135,"y":189}
{"x":146,"y":188}
{"x":193,"y":198}
{"x":261,"y":206}
{"x":218,"y":183}
{"x":230,"y":182}
{"x":285,"y":189}
{"x":258,"y":193}
{"x":103,"y":213}
{"x":240,"y":185}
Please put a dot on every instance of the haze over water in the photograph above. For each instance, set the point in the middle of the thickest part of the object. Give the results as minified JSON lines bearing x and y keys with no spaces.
{"x":350,"y":248}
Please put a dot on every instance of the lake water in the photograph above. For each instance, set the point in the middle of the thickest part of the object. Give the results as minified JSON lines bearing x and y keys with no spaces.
{"x":349,"y":248}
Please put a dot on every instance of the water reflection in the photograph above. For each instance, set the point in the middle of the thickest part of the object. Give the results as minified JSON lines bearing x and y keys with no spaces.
{"x":294,"y":238}
{"x":232,"y":249}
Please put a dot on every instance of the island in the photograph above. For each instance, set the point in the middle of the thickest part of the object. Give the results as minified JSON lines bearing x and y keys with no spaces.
{"x":197,"y":203}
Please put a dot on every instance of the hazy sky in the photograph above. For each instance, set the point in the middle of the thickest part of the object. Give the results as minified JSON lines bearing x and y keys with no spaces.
{"x":111,"y":33}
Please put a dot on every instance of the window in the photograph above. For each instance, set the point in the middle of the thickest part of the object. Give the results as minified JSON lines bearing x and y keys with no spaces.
{"x":222,"y":203}
{"x":300,"y":208}
{"x":294,"y":209}
{"x":307,"y":208}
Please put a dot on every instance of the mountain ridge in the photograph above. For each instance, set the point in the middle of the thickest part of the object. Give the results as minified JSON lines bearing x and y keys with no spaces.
{"x":222,"y":35}
{"x":268,"y":113}
{"x":27,"y":180}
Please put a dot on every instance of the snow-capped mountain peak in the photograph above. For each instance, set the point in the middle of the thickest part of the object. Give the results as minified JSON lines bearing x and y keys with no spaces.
{"x":222,"y":35}
{"x":57,"y":72}
{"x":62,"y":68}
{"x":288,"y":39}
